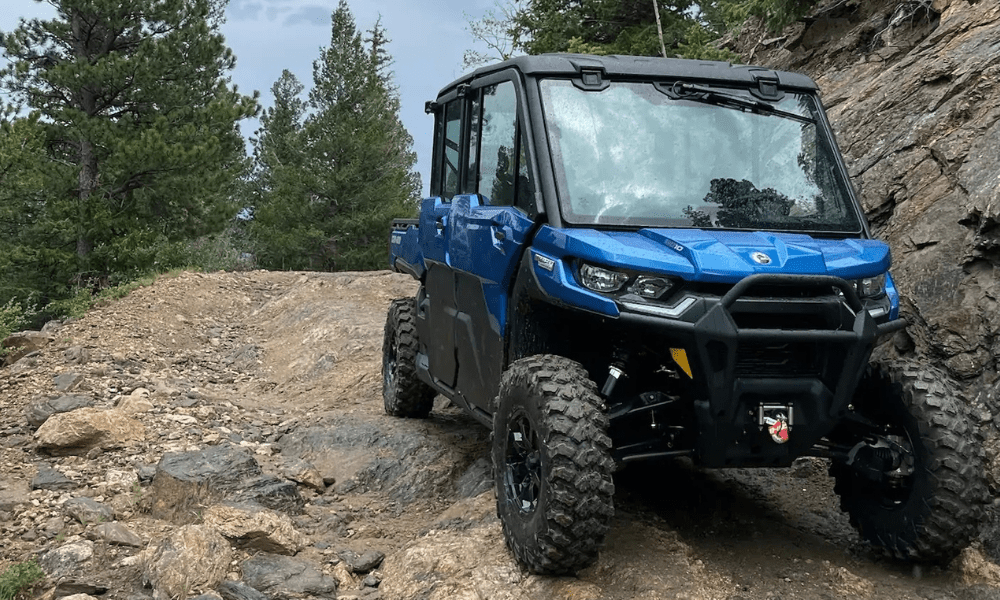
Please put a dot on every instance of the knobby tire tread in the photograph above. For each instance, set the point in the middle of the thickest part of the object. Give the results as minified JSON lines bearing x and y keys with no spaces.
{"x":411,"y":397}
{"x":943,"y":522}
{"x":579,"y":503}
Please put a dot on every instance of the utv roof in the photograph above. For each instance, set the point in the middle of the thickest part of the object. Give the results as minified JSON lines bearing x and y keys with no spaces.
{"x":639,"y":67}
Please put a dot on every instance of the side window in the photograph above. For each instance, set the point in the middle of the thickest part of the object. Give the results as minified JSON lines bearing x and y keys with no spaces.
{"x":525,"y":185}
{"x":475,"y":110}
{"x":497,"y":156}
{"x":495,"y":164}
{"x":436,"y":160}
{"x":452,"y":131}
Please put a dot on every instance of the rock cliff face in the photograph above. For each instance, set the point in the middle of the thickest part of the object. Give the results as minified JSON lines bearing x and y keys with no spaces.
{"x":913,"y":91}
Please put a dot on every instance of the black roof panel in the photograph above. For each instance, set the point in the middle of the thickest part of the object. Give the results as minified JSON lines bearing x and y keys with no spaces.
{"x":568,"y":65}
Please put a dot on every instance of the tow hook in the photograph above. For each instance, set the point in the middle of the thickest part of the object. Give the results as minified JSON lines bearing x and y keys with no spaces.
{"x":778,"y":418}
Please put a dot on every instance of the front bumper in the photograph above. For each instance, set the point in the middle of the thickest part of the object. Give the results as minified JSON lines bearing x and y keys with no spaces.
{"x":801,"y":341}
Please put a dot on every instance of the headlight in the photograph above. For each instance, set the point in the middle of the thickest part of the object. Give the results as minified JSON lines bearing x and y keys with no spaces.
{"x":601,"y":280}
{"x":871,"y":287}
{"x":652,"y":287}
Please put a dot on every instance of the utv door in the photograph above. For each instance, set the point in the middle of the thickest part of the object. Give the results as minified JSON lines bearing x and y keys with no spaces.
{"x":489,"y":226}
{"x":436,"y":306}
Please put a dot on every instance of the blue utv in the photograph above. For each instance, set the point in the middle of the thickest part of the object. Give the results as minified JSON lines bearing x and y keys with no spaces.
{"x":629,"y":258}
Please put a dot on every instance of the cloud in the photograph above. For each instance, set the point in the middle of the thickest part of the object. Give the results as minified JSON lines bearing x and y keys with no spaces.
{"x":273,"y":12}
{"x":288,"y":12}
{"x":244,"y":10}
{"x":309,"y":15}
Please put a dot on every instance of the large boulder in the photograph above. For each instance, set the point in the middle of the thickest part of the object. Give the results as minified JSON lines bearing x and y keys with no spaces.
{"x":187,"y":483}
{"x":22,"y":344}
{"x":193,"y":559}
{"x":255,"y":527}
{"x":286,"y":577}
{"x":87,"y":510}
{"x":78,"y":431}
{"x":68,"y":559}
{"x":41,"y":409}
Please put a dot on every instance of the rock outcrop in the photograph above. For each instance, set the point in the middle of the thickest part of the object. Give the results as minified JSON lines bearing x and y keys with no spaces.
{"x":186,"y":483}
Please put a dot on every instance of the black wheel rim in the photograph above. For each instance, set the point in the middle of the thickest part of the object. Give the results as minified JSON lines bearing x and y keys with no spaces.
{"x":892,"y":487}
{"x":389,"y":369}
{"x":522,"y":464}
{"x":898,"y":484}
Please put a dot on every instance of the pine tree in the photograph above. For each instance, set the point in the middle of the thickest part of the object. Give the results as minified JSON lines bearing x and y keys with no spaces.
{"x":141,"y":137}
{"x":775,"y":14}
{"x":356,"y":170}
{"x":276,"y":146}
{"x":21,"y":152}
{"x":283,"y":215}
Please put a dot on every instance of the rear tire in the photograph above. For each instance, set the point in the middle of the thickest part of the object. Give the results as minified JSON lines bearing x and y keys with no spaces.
{"x":404,"y":394}
{"x":552,"y":465}
{"x":931,"y":513}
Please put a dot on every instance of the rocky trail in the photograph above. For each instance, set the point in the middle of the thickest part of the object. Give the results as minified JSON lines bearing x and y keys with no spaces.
{"x":222,"y":435}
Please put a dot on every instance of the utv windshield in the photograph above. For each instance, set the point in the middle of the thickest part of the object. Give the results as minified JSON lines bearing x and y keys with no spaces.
{"x":645,"y":155}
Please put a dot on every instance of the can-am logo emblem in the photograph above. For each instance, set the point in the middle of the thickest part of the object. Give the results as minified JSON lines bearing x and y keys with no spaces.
{"x":760,"y":258}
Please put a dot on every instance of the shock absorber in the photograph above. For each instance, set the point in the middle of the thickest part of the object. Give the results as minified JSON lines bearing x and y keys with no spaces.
{"x":616,"y":370}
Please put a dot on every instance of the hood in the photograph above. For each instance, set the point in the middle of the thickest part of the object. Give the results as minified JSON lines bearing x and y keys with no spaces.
{"x":718,"y":256}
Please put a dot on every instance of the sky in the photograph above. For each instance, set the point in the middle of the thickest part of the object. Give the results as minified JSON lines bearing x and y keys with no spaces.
{"x":267,"y":36}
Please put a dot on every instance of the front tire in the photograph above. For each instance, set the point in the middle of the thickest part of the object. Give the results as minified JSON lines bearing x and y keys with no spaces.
{"x":403,"y":393}
{"x":928,"y":507}
{"x":552,"y":465}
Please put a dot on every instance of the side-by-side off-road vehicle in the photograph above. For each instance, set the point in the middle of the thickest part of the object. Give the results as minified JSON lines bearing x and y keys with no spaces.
{"x":629,"y":258}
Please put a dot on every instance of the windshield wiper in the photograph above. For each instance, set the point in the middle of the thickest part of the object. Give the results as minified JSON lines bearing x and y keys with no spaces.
{"x":697,"y":93}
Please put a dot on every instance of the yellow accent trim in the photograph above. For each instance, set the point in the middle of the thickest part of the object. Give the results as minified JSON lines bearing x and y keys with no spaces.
{"x":681,"y":358}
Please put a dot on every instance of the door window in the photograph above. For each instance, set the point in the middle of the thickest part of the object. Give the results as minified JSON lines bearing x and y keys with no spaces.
{"x":525,"y":185}
{"x":498,"y":151}
{"x":452,"y":132}
{"x":475,"y":117}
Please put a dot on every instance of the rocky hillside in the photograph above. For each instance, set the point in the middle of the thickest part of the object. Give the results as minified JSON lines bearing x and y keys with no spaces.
{"x":223,"y":436}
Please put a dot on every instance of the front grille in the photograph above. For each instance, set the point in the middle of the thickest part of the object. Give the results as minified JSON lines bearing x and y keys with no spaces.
{"x":786,"y":319}
{"x":763,"y":360}
{"x":796,"y":290}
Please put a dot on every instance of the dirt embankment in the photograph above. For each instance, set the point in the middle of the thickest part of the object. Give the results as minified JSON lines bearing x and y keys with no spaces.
{"x":279,"y":374}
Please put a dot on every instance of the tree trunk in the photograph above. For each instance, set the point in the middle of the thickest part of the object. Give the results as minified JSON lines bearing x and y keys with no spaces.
{"x":87,"y":185}
{"x":88,"y":158}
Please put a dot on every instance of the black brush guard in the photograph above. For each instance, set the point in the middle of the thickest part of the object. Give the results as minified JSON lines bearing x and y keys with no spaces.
{"x":817,"y":363}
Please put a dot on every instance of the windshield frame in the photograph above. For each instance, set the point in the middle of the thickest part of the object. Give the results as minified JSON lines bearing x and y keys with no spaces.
{"x":851,"y":218}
